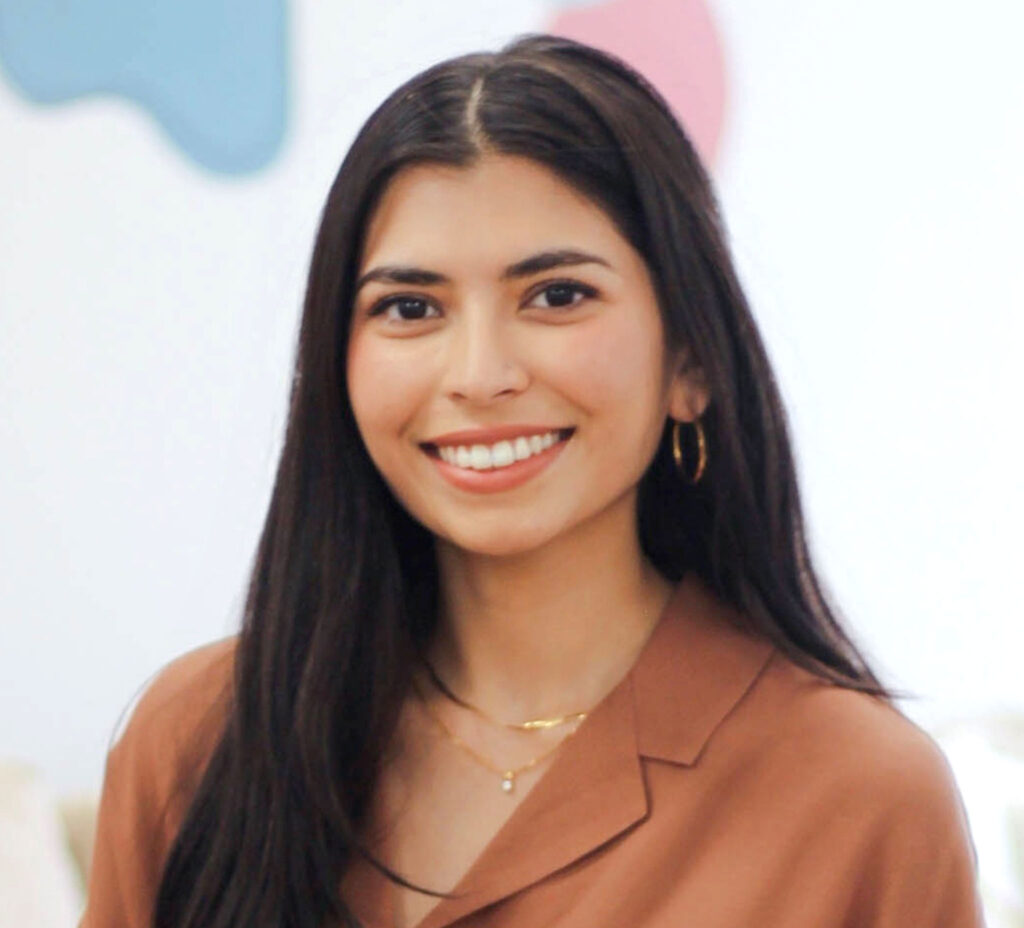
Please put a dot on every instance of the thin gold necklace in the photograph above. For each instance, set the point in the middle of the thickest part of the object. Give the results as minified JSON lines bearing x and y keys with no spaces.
{"x":529,"y":725}
{"x":508,"y":774}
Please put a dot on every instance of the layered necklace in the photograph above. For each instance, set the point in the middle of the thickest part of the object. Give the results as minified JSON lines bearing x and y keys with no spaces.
{"x":507,"y":774}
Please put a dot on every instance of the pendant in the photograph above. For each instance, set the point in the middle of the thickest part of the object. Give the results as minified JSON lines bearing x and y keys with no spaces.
{"x":508,"y":781}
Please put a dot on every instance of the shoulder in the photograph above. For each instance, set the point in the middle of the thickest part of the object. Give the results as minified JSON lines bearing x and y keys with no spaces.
{"x":176,"y":721}
{"x":152,"y":770}
{"x":856,"y":794}
{"x":875,"y":768}
{"x":884,"y":798}
{"x":836,"y":728}
{"x":183,"y":697}
{"x":183,"y":691}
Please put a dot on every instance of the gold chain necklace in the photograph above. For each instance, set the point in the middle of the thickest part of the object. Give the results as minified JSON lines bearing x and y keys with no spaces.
{"x":508,"y":775}
{"x":529,"y":725}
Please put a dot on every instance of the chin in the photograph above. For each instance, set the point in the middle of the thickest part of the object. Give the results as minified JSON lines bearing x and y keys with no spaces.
{"x":501,"y":541}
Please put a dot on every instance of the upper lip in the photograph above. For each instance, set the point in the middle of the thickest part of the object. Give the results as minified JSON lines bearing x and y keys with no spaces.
{"x":495,"y":433}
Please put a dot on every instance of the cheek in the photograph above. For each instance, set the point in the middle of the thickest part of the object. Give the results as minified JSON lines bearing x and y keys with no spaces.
{"x":382,"y":389}
{"x":613,"y":367}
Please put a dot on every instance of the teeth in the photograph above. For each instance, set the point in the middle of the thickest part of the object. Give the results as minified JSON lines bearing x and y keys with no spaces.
{"x":481,"y":457}
{"x":500,"y":454}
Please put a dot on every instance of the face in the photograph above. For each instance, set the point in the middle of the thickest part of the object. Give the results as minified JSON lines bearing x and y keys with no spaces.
{"x":497,"y":297}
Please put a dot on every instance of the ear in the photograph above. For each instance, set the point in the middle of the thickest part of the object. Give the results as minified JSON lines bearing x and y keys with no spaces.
{"x":688,"y":394}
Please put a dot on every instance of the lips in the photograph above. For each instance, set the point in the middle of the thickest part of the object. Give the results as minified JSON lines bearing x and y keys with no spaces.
{"x":505,"y":477}
{"x":469,"y":437}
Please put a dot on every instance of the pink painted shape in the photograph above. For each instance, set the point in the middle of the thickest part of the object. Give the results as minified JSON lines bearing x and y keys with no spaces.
{"x":674,"y":44}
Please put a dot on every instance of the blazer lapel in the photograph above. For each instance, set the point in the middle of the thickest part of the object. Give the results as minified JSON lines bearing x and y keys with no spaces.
{"x":593,"y":792}
{"x":698,"y":663}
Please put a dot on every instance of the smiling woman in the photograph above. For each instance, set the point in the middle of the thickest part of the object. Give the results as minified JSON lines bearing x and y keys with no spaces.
{"x":533,"y":635}
{"x":501,"y":334}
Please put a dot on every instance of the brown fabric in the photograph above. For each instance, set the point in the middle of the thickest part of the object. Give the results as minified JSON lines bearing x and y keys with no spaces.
{"x":718,"y":785}
{"x":161,"y":753}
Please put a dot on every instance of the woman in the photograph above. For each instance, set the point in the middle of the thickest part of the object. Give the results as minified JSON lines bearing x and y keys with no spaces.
{"x":532,"y":636}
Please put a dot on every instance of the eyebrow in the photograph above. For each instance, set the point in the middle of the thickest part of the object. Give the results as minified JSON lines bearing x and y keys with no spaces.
{"x":542,"y":261}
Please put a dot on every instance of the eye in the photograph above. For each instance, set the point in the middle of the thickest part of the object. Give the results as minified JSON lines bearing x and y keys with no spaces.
{"x":563,"y":293}
{"x":409,"y":308}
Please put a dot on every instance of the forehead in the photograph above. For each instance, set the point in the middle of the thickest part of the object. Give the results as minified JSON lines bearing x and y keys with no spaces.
{"x":498,"y":208}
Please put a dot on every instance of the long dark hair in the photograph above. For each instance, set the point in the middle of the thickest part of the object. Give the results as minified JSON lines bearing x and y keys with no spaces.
{"x":344,"y":587}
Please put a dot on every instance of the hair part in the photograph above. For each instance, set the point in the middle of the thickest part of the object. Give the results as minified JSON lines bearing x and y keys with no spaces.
{"x":475,"y":130}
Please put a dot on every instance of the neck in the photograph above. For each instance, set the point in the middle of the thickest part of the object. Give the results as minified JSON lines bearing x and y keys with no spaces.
{"x":552,"y":630}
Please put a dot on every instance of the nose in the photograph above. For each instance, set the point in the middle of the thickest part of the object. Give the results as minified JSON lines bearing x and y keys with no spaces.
{"x":482,"y":362}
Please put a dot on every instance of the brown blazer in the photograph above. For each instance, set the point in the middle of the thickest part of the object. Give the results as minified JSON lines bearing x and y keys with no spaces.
{"x":717,"y":786}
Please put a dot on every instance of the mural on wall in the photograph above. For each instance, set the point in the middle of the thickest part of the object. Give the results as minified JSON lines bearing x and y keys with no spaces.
{"x":213,"y":73}
{"x":673,"y":43}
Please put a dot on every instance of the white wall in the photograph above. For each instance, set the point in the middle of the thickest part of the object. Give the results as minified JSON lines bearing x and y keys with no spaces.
{"x":873,"y":185}
{"x":870,"y":178}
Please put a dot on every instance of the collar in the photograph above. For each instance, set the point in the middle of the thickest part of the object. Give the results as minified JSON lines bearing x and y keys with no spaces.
{"x":696,"y":666}
{"x":694,"y":669}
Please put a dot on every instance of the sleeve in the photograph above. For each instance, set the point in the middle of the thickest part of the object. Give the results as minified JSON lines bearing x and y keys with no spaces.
{"x":127,"y":858}
{"x":918,"y":863}
{"x":150,"y":776}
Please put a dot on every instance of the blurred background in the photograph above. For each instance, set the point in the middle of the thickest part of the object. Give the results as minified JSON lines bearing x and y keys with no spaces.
{"x":162,"y":169}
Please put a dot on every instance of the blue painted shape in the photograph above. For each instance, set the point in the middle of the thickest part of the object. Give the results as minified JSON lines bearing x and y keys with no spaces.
{"x":212,"y":72}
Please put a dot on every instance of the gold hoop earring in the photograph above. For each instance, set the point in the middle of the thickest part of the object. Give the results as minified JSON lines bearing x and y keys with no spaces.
{"x":702,"y":452}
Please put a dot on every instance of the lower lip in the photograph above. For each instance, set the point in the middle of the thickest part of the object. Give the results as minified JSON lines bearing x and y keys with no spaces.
{"x":499,"y":478}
